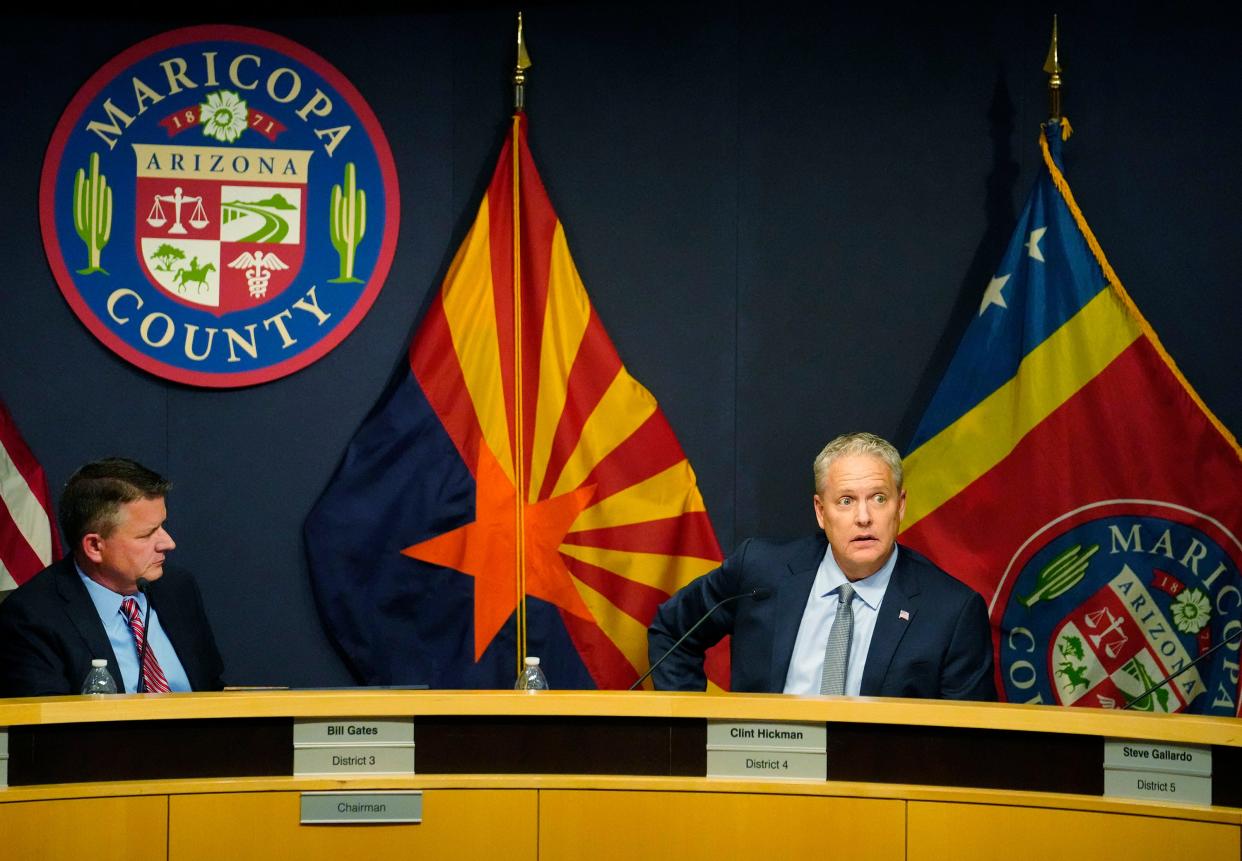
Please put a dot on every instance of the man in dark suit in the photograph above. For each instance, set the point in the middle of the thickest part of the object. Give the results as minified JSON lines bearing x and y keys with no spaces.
{"x":845,"y":612}
{"x":89,"y":605}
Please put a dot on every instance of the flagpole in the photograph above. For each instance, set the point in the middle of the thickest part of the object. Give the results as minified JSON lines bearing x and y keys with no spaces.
{"x":1052,"y":65}
{"x":519,"y":446}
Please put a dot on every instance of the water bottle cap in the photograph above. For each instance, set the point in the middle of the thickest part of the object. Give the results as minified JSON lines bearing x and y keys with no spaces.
{"x":532,"y":661}
{"x":99,"y":662}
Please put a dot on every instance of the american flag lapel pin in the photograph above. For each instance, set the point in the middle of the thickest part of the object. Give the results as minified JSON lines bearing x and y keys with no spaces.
{"x":904,"y":615}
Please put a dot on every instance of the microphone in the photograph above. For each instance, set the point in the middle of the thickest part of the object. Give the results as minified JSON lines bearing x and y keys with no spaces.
{"x":143,"y":586}
{"x":1158,"y":685}
{"x":759,"y":594}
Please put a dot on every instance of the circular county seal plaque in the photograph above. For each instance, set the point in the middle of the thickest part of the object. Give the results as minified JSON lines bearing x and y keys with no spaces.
{"x":1108,"y":600}
{"x":219,"y":206}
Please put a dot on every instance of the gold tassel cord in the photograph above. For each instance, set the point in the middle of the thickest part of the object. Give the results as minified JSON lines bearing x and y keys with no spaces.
{"x":1062,"y":186}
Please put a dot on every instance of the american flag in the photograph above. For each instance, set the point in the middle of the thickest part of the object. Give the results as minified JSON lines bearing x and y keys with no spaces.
{"x":28,"y":541}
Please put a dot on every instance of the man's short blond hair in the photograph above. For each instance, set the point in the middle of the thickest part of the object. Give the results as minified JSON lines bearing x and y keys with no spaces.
{"x":849,"y":444}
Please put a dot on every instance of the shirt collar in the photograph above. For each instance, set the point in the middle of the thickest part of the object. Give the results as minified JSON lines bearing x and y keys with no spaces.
{"x":870,"y":589}
{"x":107,"y":603}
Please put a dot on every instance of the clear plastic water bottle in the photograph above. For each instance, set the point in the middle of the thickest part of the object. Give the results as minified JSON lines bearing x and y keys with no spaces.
{"x":532,"y":678}
{"x":99,"y":680}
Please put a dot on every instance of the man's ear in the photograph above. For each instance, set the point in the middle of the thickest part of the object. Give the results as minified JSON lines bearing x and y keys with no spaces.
{"x":92,"y":546}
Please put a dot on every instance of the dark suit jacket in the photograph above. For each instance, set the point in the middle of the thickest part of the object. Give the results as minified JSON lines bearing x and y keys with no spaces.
{"x":942,"y":651}
{"x":50,"y":631}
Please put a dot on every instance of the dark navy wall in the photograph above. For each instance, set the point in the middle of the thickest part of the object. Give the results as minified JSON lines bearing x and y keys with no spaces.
{"x":785,"y":214}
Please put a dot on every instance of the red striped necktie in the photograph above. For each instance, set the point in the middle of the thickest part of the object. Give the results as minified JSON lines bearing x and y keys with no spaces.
{"x":152,"y":675}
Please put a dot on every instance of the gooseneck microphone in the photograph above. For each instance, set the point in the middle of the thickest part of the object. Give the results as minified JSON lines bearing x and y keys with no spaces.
{"x":758,"y":594}
{"x":1158,"y":685}
{"x":143,"y":585}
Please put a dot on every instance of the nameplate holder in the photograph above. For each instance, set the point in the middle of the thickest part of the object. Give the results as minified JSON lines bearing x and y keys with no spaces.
{"x":338,"y":732}
{"x":362,"y":808}
{"x":1158,"y":786}
{"x":355,"y":760}
{"x":767,"y":750}
{"x":766,"y":735}
{"x":1157,"y":771}
{"x":1157,"y":756}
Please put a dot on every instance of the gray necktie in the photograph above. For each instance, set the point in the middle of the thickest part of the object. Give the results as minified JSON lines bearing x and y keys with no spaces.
{"x":837,"y":653}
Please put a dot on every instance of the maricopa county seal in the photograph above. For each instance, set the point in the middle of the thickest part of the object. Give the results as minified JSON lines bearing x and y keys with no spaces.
{"x":1111,"y":599}
{"x":219,"y":206}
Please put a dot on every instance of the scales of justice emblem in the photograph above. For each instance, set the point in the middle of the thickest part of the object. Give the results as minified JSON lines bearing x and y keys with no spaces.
{"x":219,"y":229}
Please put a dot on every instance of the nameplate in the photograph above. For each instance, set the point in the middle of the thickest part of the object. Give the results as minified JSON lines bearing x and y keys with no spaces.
{"x":1167,"y":758}
{"x":773,"y":750}
{"x":768,"y":765}
{"x":4,"y":773}
{"x":4,"y":742}
{"x":1157,"y":786}
{"x":336,"y":732}
{"x":353,"y":760}
{"x":766,"y":735}
{"x":362,"y":808}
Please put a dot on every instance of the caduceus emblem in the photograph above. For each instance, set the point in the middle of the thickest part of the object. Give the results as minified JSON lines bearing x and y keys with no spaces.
{"x":259,"y":267}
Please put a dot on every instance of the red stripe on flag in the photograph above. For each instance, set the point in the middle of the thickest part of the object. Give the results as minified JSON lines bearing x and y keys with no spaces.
{"x":648,"y":451}
{"x":631,"y":597}
{"x":538,"y":230}
{"x":434,"y":364}
{"x":1132,"y":432}
{"x":500,"y":239}
{"x":15,"y":551}
{"x":689,"y":534}
{"x":607,"y":665}
{"x":15,"y":548}
{"x":21,"y":455}
{"x":595,"y":367}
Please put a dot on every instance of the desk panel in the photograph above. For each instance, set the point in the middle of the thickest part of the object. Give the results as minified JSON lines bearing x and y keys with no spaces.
{"x":457,"y":823}
{"x":984,"y":832}
{"x":711,"y":826}
{"x":100,"y":829}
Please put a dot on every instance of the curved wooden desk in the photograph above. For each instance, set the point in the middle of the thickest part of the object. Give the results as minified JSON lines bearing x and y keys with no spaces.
{"x":562,"y":775}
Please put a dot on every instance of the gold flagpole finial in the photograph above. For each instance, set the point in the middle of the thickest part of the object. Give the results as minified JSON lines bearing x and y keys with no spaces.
{"x":519,"y":70}
{"x":1052,"y":66}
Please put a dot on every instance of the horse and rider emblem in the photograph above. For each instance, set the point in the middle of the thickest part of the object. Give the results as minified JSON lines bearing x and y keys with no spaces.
{"x":218,"y":245}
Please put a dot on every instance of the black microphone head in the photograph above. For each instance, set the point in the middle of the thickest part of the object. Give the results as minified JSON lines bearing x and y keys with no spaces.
{"x":761,"y":594}
{"x":143,"y":585}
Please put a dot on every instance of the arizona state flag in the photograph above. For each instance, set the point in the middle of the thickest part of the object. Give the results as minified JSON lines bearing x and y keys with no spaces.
{"x":519,"y":493}
{"x":1067,"y":471}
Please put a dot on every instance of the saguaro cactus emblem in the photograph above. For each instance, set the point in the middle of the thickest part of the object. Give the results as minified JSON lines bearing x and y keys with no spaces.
{"x":92,"y":213}
{"x":347,"y":217}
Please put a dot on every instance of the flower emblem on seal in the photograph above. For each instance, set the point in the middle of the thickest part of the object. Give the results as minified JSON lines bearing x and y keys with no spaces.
{"x":223,"y":116}
{"x":1190,"y":610}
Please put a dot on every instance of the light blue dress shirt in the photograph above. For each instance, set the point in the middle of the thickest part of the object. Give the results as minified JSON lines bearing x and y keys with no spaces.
{"x":807,"y":664}
{"x":108,"y":605}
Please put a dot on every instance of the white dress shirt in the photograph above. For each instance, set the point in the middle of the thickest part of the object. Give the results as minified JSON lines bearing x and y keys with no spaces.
{"x":807,"y":664}
{"x":108,"y":605}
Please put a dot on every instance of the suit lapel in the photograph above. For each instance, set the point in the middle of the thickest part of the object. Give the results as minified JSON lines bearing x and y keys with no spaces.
{"x":791,"y":597}
{"x":174,"y":628}
{"x":85,"y":618}
{"x":897,"y":612}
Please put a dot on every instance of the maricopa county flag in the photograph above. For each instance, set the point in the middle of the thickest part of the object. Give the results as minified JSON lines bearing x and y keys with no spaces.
{"x":414,"y":547}
{"x":1067,"y":471}
{"x":28,"y":540}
